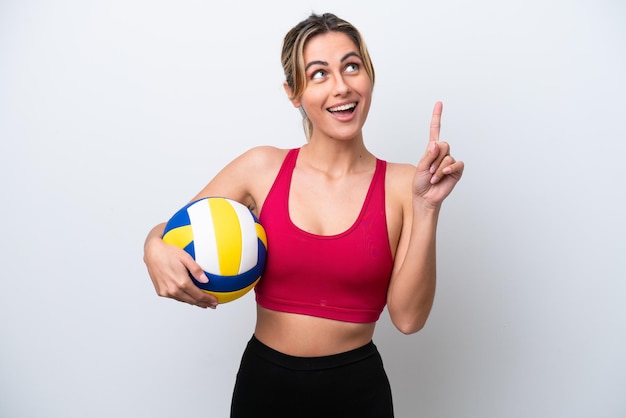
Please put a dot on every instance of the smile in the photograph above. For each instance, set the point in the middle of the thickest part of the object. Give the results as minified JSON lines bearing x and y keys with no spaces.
{"x":348,"y":107}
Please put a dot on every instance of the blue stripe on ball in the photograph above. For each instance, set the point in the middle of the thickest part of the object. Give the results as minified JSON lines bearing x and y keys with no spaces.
{"x":218,"y":283}
{"x":191,"y":249}
{"x":180,"y":218}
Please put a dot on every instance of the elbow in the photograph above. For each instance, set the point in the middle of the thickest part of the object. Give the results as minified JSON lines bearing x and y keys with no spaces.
{"x":409,"y":319}
{"x":409,"y":326}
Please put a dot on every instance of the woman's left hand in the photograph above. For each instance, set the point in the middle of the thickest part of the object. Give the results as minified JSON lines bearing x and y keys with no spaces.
{"x":437,"y":172}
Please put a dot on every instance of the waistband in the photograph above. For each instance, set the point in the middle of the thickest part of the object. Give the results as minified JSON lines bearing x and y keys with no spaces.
{"x":311,"y":363}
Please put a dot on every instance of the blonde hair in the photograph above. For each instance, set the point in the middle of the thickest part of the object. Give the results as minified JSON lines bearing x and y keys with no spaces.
{"x":292,"y":56}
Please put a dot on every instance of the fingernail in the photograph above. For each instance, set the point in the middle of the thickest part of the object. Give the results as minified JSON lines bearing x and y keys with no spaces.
{"x":203,"y":278}
{"x":433,"y":169}
{"x":434,"y":179}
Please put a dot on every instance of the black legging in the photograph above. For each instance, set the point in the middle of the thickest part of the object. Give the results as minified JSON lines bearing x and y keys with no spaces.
{"x":347,"y":385}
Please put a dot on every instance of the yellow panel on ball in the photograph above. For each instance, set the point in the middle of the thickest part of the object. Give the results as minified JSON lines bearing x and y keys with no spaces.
{"x":224,"y":297}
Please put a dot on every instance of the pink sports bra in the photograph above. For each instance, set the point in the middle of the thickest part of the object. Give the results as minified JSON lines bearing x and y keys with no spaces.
{"x":342,"y":277}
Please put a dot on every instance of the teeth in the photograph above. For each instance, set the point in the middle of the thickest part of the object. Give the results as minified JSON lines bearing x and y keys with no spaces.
{"x":343,"y":107}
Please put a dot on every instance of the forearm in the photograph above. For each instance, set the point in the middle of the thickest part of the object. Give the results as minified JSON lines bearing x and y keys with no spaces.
{"x":412,"y":287}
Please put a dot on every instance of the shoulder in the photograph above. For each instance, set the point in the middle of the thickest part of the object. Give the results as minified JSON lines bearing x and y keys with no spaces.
{"x":248,"y":177}
{"x":262,"y":157}
{"x":400,"y":169}
{"x":255,"y":168}
{"x":253,"y":173}
{"x":399,"y":179}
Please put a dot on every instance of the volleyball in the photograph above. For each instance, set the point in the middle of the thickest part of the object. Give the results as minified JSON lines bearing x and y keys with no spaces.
{"x":225,"y":239}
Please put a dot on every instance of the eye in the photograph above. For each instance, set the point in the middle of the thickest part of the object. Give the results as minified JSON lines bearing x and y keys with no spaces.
{"x":318,"y":75}
{"x":352,"y":67}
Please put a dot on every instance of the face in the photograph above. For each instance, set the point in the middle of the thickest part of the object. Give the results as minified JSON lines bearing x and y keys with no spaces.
{"x":338,"y":91}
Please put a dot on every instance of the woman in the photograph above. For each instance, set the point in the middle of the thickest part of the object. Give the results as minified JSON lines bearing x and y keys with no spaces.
{"x":347,"y":234}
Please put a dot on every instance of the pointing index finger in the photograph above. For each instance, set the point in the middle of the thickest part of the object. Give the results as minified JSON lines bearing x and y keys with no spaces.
{"x":435,"y":122}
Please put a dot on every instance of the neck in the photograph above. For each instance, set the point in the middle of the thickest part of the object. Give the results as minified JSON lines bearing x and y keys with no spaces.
{"x":336,"y":157}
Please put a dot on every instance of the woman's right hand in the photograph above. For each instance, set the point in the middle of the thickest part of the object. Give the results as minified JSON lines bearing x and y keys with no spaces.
{"x":169,"y":268}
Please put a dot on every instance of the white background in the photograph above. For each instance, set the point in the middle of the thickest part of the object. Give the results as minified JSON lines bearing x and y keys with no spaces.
{"x":113,"y":114}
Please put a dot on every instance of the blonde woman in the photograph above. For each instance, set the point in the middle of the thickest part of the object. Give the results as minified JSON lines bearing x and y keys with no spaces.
{"x":348,"y":234}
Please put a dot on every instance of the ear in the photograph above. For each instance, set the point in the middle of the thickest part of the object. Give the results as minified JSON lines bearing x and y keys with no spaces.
{"x":289,"y":91}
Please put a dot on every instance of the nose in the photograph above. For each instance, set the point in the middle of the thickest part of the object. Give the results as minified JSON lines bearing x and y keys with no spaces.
{"x":341,"y":87}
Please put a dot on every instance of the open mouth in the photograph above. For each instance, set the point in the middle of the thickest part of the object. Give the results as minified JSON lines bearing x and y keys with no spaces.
{"x":343,"y":109}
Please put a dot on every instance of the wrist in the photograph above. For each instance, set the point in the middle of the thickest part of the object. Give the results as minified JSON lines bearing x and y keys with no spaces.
{"x":421,"y":207}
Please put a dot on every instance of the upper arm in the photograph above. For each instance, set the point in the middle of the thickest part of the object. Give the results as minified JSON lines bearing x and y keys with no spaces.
{"x":399,"y":209}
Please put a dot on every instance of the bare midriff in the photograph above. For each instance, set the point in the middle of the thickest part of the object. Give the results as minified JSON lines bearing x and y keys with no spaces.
{"x":309,"y":336}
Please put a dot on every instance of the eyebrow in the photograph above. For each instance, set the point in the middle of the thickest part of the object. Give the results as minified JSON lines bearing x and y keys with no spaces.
{"x":324,"y":63}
